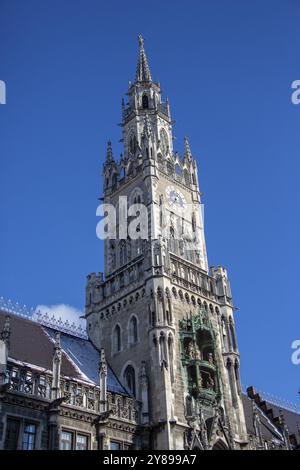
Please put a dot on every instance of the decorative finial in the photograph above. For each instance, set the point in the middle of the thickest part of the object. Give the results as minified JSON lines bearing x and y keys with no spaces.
{"x":109,"y":153}
{"x":57,"y":340}
{"x":187,"y":150}
{"x":102,"y":365}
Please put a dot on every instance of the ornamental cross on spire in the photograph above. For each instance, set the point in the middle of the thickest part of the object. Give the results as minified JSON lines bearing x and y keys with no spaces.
{"x":142,"y":71}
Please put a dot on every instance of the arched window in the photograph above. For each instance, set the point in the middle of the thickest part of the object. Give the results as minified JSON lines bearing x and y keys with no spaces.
{"x":133,"y":330}
{"x":194,"y":223}
{"x":171,"y":356}
{"x":117,"y":339}
{"x":232,"y":335}
{"x":189,"y":405}
{"x":187,"y":177}
{"x":132,"y":144}
{"x":178,"y":171}
{"x":122,"y":172}
{"x":145,"y":102}
{"x":129,"y":377}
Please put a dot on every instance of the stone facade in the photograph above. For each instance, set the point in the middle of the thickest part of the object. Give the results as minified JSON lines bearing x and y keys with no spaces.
{"x":159,"y":286}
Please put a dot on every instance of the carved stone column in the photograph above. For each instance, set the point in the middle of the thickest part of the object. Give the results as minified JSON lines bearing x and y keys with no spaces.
{"x":56,"y":367}
{"x":103,"y":382}
{"x":4,"y":349}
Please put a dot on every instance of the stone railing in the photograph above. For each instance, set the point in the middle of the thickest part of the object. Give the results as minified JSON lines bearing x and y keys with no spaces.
{"x":192,"y":286}
{"x":163,"y":108}
{"x":76,"y":394}
{"x":26,"y":380}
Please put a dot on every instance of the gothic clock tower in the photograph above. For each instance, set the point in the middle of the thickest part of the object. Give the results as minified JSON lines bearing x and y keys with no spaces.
{"x":163,"y":317}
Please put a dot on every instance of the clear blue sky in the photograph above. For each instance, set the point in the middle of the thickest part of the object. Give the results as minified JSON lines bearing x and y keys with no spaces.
{"x":227,"y":67}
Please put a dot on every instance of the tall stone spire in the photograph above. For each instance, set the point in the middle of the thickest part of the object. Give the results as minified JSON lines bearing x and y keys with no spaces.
{"x":142,"y":71}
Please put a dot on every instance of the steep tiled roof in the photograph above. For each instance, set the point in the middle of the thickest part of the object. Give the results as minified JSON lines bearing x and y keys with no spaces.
{"x":270,"y":415}
{"x":32,"y":343}
{"x":268,"y":430}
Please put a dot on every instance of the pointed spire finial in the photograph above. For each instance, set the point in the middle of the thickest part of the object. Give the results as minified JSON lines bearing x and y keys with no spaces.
{"x":57,"y":340}
{"x":141,"y":40}
{"x":142,"y":71}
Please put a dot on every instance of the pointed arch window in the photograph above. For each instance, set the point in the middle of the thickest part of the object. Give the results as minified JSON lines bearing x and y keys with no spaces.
{"x":178,"y":171}
{"x":145,"y":102}
{"x":187,"y":178}
{"x":171,"y":356}
{"x":122,"y":172}
{"x":117,"y":339}
{"x":232,"y":335}
{"x":132,"y":144}
{"x":129,"y":377}
{"x":194,"y":222}
{"x":133,"y":330}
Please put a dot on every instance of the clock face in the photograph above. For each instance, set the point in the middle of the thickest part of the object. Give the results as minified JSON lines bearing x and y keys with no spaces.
{"x":175,"y":197}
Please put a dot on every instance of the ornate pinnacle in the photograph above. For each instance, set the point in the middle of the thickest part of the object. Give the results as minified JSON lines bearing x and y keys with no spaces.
{"x":57,"y":341}
{"x":142,"y":71}
{"x":187,"y":150}
{"x":5,"y":333}
{"x":103,"y":365}
{"x":109,"y":153}
{"x":147,"y":127}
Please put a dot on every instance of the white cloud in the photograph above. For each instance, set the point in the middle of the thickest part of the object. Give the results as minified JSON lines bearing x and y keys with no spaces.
{"x":63,"y":311}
